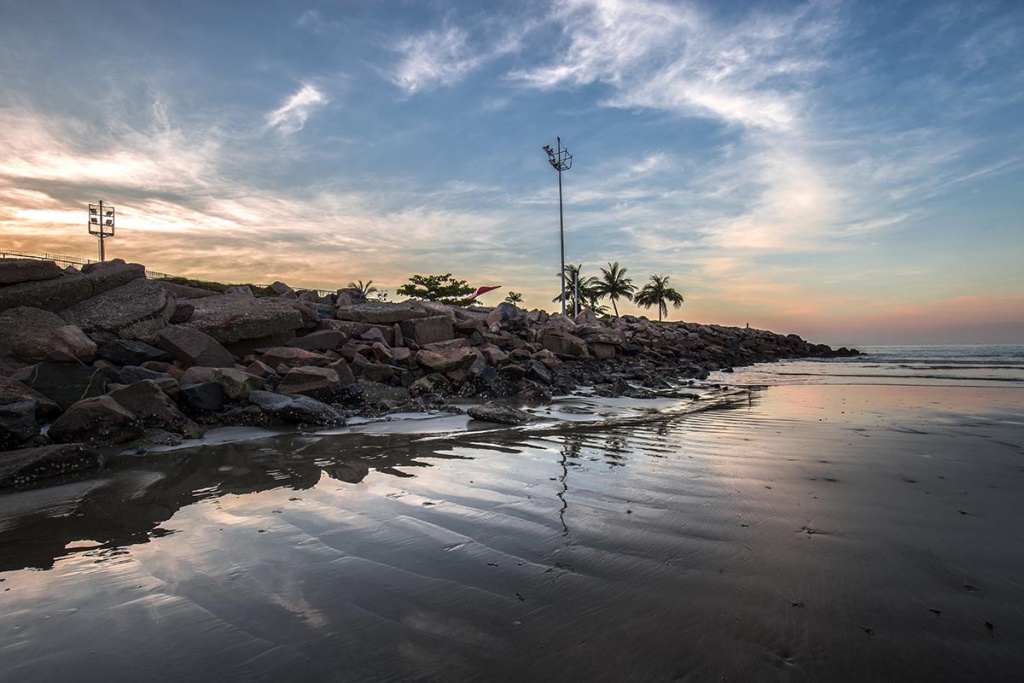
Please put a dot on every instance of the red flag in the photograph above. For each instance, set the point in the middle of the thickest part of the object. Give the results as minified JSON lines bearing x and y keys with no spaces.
{"x":482,"y":290}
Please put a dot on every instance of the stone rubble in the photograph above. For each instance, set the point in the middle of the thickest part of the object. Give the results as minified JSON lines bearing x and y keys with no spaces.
{"x":104,"y":355}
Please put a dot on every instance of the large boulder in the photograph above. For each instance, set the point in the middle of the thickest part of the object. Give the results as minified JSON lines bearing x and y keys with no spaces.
{"x":24,"y":326}
{"x":191,"y":347}
{"x":563,"y":343}
{"x":28,"y":465}
{"x":447,"y":361}
{"x":310,"y":381}
{"x":321,"y":340}
{"x":71,"y":287}
{"x":232,"y":317}
{"x":428,"y":330}
{"x":147,"y":401}
{"x":379,"y":313}
{"x":131,"y":352}
{"x":300,"y":409}
{"x":97,"y":419}
{"x":137,"y":310}
{"x":66,"y":383}
{"x":13,"y":271}
{"x":237,"y":384}
{"x":17,"y":423}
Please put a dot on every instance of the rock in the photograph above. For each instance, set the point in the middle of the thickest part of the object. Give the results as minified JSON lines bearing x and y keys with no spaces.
{"x":237,"y":384}
{"x":67,"y":343}
{"x":12,"y":391}
{"x":28,"y":465}
{"x":428,"y":330}
{"x":292,"y":357}
{"x":281,"y":288}
{"x":154,"y":408}
{"x":71,"y":287}
{"x":17,"y":423}
{"x":353,"y":329}
{"x":446,"y":361}
{"x":97,"y":419}
{"x":134,"y":373}
{"x":240,"y":290}
{"x":563,"y":343}
{"x":321,"y":340}
{"x":345,"y":375}
{"x":500,"y":413}
{"x":130,"y":352}
{"x":372,"y":371}
{"x":503,"y":312}
{"x":350,"y":295}
{"x":136,"y":310}
{"x":310,"y":381}
{"x":373,"y":335}
{"x":378,"y":313}
{"x":191,"y":347}
{"x":185,"y":292}
{"x":183,"y":312}
{"x":197,"y":374}
{"x":258,"y":368}
{"x":65,"y":384}
{"x":232,"y":318}
{"x":204,"y":396}
{"x":13,"y":271}
{"x":25,"y":327}
{"x":301,"y":409}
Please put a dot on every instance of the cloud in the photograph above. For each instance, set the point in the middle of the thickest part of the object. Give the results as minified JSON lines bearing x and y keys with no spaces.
{"x":292,"y":115}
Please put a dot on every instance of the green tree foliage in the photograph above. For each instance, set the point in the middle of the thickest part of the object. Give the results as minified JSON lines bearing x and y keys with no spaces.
{"x":658,"y":293}
{"x":613,"y":284}
{"x":589,"y":296}
{"x":514,"y":297}
{"x":441,"y":288}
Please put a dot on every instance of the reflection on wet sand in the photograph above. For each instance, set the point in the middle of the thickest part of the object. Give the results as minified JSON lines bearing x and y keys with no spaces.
{"x":767,"y":541}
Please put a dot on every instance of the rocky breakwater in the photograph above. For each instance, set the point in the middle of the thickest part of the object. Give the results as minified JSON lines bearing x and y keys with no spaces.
{"x":102,"y":360}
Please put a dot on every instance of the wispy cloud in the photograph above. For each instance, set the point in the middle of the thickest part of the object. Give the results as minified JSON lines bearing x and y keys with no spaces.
{"x":291,"y":116}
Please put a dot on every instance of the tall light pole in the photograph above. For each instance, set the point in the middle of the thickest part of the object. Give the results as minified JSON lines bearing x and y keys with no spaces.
{"x":560,"y":160}
{"x":101,"y":223}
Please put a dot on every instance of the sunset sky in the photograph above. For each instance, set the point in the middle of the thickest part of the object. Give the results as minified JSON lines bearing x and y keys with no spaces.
{"x":852,"y":172}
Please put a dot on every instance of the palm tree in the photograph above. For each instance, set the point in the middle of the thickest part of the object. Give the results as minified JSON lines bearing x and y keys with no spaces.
{"x":587,"y":291}
{"x":613,"y":284}
{"x":515,"y":298}
{"x":658,"y":293}
{"x":367,"y":289}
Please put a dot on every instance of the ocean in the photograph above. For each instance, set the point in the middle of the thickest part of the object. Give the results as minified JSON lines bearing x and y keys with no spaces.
{"x":829,"y":520}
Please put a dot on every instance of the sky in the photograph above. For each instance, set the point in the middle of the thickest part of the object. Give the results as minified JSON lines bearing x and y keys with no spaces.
{"x":849,"y":171}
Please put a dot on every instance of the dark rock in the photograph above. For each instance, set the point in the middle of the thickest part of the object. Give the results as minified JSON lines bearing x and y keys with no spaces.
{"x":204,"y":396}
{"x":240,"y":290}
{"x":192,"y":347}
{"x":130,"y":352}
{"x":12,"y":391}
{"x":97,"y":419}
{"x":24,"y":327}
{"x":147,"y":401}
{"x":134,"y":373}
{"x":446,"y":361}
{"x":428,"y":330}
{"x":373,"y":335}
{"x":185,"y":292}
{"x":232,"y":317}
{"x":18,"y":468}
{"x":349,"y":296}
{"x":13,"y":271}
{"x":71,"y":287}
{"x":321,"y":340}
{"x":17,"y":423}
{"x":310,"y":381}
{"x":353,"y":329}
{"x":300,"y":409}
{"x":345,"y":375}
{"x":136,"y":310}
{"x":292,"y":357}
{"x":183,"y":312}
{"x":372,"y":371}
{"x":66,"y":384}
{"x":500,"y":413}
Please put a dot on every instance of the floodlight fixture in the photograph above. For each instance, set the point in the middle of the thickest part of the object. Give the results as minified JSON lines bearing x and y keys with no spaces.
{"x":101,"y":223}
{"x":560,"y":160}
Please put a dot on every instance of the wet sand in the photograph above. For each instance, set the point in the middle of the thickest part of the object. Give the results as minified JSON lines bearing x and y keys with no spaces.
{"x":825,"y":533}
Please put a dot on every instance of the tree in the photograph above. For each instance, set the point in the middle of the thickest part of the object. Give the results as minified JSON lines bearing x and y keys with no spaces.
{"x":514,"y":297}
{"x":613,"y":284}
{"x":658,"y":293}
{"x":441,"y":288}
{"x":587,"y":291}
{"x":367,"y":289}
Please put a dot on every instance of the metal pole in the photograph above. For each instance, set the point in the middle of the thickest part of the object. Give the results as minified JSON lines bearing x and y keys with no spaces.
{"x":561,"y":229}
